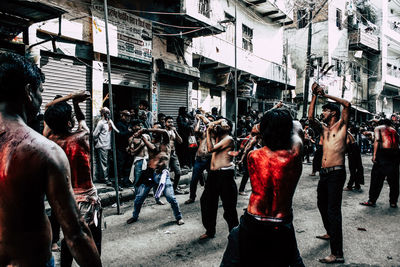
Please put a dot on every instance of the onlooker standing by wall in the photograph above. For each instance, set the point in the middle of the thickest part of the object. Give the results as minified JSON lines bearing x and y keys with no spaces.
{"x":144,"y":105}
{"x":102,"y":140}
{"x":184,"y":130}
{"x":121,"y":142}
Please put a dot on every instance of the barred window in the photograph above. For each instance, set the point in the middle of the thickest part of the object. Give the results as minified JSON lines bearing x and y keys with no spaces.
{"x":302,"y":18}
{"x":204,"y":7}
{"x":247,"y":38}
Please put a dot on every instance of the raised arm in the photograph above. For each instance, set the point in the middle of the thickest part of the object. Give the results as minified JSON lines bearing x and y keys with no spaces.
{"x":80,"y":117}
{"x":311,"y":108}
{"x":60,"y":196}
{"x":178,"y":137}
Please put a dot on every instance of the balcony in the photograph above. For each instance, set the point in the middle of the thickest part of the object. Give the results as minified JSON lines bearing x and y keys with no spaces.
{"x":193,"y":17}
{"x":364,"y":40}
{"x":393,"y":76}
{"x":393,"y":30}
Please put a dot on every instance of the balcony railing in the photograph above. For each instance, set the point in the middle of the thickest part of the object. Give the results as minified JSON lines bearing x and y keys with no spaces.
{"x":362,"y":39}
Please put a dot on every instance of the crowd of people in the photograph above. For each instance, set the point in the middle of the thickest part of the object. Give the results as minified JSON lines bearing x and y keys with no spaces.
{"x":271,"y":153}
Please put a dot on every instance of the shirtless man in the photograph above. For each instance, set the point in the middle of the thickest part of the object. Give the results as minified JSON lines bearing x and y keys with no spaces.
{"x":386,"y":159}
{"x":220,"y":181}
{"x":332,"y":173}
{"x":265,"y":235}
{"x":25,"y":234}
{"x":203,"y":158}
{"x":59,"y":117}
{"x":173,"y":160}
{"x":138,"y":149}
{"x":156,"y":175}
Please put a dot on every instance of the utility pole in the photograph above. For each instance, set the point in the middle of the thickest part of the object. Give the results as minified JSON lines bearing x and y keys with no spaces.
{"x":308,"y":64}
{"x":111,"y":106}
{"x":286,"y":74}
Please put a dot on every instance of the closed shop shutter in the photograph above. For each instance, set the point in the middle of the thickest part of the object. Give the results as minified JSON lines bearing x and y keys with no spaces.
{"x":396,"y":105}
{"x":65,"y":76}
{"x":128,"y":77}
{"x":172,"y":96}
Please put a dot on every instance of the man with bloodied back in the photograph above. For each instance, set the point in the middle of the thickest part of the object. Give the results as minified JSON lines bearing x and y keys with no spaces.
{"x":265,"y":235}
{"x":31,"y":167}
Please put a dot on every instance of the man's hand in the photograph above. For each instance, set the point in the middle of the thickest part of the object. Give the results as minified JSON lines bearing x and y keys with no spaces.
{"x":80,"y":96}
{"x":317,"y":89}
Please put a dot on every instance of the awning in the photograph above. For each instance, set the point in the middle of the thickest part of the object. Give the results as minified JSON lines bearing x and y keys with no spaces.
{"x":360,"y":109}
{"x":182,"y":71}
{"x":17,"y":15}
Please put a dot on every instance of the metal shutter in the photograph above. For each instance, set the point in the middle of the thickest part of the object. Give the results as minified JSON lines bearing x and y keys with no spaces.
{"x":64,"y":76}
{"x":172,"y":96}
{"x":127,"y":77}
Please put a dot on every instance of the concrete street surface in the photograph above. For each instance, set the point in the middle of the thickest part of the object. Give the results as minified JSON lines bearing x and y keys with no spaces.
{"x":371,"y":235}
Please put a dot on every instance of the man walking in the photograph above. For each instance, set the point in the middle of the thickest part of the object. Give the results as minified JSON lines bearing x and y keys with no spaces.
{"x":25,"y":234}
{"x":332,"y":173}
{"x":386,"y":160}
{"x":220,"y":182}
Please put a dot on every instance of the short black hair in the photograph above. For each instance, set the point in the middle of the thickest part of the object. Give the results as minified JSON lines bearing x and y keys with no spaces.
{"x":144,"y":103}
{"x":332,"y":107}
{"x":276,"y":129}
{"x":169,"y":118}
{"x":135,"y":122}
{"x":16,"y":72}
{"x":57,"y":117}
{"x":386,"y":122}
{"x":160,"y":115}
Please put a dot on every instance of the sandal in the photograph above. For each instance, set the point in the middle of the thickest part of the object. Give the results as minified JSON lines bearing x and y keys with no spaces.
{"x":323,"y":237}
{"x":332,"y":259}
{"x":393,"y":205}
{"x":368,"y":204}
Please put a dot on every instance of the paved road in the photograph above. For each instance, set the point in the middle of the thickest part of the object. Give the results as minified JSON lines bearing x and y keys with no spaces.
{"x":155,"y":240}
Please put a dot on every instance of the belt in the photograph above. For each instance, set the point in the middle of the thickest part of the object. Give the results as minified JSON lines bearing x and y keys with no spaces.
{"x":331,"y":169}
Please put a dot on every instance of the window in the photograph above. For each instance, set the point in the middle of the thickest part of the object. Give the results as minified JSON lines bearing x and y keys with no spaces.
{"x":247,"y":38}
{"x":229,"y":28}
{"x":204,"y":7}
{"x":315,"y":63}
{"x":338,"y":66}
{"x":356,"y":73}
{"x":339,"y":18}
{"x":302,"y":19}
{"x":175,"y":45}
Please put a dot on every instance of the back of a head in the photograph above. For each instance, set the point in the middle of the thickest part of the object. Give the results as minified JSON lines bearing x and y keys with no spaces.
{"x":276,"y":129}
{"x":57,"y":117}
{"x":386,"y":122}
{"x":144,"y":103}
{"x":15,"y":73}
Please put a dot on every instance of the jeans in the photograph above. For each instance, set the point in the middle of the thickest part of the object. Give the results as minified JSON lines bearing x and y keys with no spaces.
{"x":219,"y":184}
{"x":255,"y":243}
{"x":176,"y":168}
{"x":102,"y":164}
{"x":124,"y":165}
{"x":199,"y":166}
{"x":144,"y":189}
{"x":329,"y":201}
{"x":138,"y":171}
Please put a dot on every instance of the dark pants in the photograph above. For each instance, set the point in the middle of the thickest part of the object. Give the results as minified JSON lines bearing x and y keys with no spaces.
{"x":219,"y":184}
{"x":55,"y":227}
{"x":124,"y":164}
{"x":382,"y":169}
{"x":355,"y":167}
{"x":200,"y":165}
{"x":245,"y":176}
{"x":175,"y":167}
{"x":329,"y":195}
{"x":66,"y":256}
{"x":317,"y":160}
{"x":255,"y":243}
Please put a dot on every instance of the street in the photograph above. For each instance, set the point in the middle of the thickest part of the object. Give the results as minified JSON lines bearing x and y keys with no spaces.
{"x":155,"y":239}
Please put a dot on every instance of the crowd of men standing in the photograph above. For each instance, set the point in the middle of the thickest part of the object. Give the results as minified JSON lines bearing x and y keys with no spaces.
{"x":57,"y":165}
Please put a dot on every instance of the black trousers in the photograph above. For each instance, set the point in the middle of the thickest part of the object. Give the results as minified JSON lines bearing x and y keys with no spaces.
{"x":255,"y":243}
{"x":329,"y":201}
{"x":66,"y":256}
{"x":355,"y":167}
{"x":219,"y":184}
{"x":388,"y":169}
{"x":317,"y":160}
{"x":124,"y":164}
